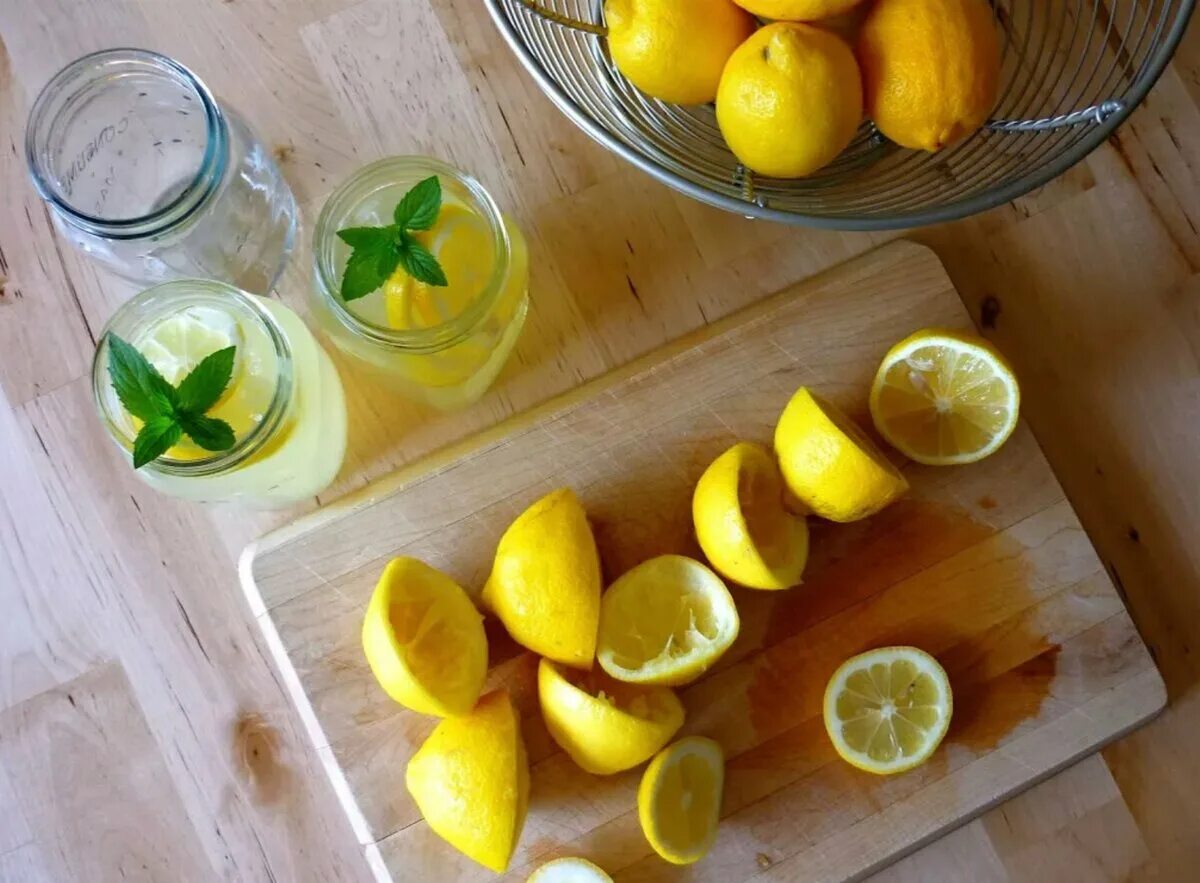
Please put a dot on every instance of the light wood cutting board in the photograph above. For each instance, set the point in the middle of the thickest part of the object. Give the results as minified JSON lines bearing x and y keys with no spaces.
{"x":986,"y":566}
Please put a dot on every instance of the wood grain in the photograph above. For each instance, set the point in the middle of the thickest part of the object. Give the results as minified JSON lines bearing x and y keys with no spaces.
{"x":1090,"y":285}
{"x":1044,"y":656}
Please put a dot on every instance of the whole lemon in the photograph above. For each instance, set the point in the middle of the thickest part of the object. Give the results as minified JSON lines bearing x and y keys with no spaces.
{"x":797,"y":10}
{"x":675,"y":50}
{"x":931,"y":69}
{"x":790,"y":100}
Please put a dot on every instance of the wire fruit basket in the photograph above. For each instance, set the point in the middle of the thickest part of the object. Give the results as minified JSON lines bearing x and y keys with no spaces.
{"x":1073,"y":71}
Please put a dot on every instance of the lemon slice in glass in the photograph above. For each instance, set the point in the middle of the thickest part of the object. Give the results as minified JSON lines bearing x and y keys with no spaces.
{"x":945,"y":397}
{"x":665,"y":622}
{"x":887,"y":710}
{"x":569,"y":870}
{"x":178,"y":343}
{"x":679,"y":799}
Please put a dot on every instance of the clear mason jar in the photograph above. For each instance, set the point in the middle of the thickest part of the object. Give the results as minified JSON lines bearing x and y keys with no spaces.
{"x":284,"y":401}
{"x":144,"y":172}
{"x":450,"y":360}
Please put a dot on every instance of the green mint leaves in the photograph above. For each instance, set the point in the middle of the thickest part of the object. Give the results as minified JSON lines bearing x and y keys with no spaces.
{"x":378,"y":251}
{"x":168,"y":412}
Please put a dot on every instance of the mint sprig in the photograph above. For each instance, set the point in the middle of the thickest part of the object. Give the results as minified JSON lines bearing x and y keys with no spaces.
{"x":169,"y":412}
{"x":376,"y":252}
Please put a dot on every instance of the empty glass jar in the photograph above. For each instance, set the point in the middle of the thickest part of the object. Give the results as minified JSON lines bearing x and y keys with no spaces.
{"x":146,"y":173}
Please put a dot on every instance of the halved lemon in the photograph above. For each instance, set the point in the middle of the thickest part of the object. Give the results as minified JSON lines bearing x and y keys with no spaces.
{"x":742,"y":524}
{"x":945,"y":397}
{"x":830,"y":464}
{"x":424,"y":639}
{"x":606,"y":726}
{"x":679,"y":799}
{"x":887,"y":710}
{"x":569,"y":870}
{"x":665,"y":622}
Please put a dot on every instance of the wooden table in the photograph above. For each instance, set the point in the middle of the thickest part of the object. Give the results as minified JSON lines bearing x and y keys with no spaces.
{"x":143,"y":733}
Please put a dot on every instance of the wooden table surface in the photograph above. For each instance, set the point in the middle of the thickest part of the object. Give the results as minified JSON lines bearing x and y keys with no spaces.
{"x":143,"y":733}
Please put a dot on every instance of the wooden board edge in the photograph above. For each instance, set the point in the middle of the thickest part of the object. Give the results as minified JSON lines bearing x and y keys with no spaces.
{"x":1145,"y":691}
{"x":445,"y":456}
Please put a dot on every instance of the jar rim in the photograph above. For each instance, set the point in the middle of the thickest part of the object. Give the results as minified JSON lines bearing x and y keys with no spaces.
{"x":57,"y":96}
{"x":200,"y":290}
{"x":417,"y":341}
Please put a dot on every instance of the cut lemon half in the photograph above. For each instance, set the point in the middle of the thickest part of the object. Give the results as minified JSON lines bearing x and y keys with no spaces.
{"x":830,"y":464}
{"x":742,"y":524}
{"x":424,"y":639}
{"x":606,"y":726}
{"x":944,"y":398}
{"x":887,"y":710}
{"x":569,"y":870}
{"x":679,"y":799}
{"x":665,"y":622}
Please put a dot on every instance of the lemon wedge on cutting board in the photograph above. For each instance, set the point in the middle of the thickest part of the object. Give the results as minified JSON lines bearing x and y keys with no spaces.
{"x":470,"y":779}
{"x":830,"y":464}
{"x":665,"y":622}
{"x":945,"y":398}
{"x":545,"y":581}
{"x":606,"y":726}
{"x":741,"y":522}
{"x":679,"y":799}
{"x":569,"y":870}
{"x":887,"y":711}
{"x":424,"y":639}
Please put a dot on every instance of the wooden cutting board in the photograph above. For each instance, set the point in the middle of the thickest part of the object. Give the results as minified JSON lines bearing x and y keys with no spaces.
{"x":986,"y":566}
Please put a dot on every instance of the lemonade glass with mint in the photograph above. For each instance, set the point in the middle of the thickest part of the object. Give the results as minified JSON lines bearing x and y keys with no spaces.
{"x":218,"y":395}
{"x":419,"y":276}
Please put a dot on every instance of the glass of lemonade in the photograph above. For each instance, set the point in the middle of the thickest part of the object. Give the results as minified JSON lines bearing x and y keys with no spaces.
{"x":284,"y":401}
{"x":443,"y":345}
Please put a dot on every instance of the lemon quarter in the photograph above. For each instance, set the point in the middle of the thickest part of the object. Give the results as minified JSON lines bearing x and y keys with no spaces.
{"x":424,"y":639}
{"x":679,"y":799}
{"x":887,"y":711}
{"x":945,"y":397}
{"x":829,"y":464}
{"x":741,"y":522}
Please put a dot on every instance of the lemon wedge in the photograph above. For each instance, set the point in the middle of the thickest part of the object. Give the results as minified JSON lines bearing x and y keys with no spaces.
{"x":569,"y":870}
{"x":545,"y":580}
{"x":829,"y":464}
{"x":606,"y":726}
{"x":887,"y":711}
{"x":470,"y":779}
{"x":945,"y":398}
{"x":424,"y":639}
{"x":679,"y":799}
{"x":665,"y":622}
{"x":741,"y":522}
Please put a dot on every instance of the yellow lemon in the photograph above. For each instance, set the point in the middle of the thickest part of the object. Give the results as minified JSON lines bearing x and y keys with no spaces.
{"x":887,"y":711}
{"x":424,"y":639}
{"x":665,"y":622}
{"x":931,"y":69}
{"x":945,"y":398}
{"x":679,"y":799}
{"x":742,"y":524}
{"x":470,"y":779}
{"x":545,"y":582}
{"x":569,"y":870}
{"x":675,"y":50}
{"x":797,"y":10}
{"x":790,"y":100}
{"x":606,"y":726}
{"x":829,"y":464}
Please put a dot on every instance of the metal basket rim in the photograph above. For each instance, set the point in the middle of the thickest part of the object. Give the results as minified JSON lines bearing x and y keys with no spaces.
{"x":954,"y":211}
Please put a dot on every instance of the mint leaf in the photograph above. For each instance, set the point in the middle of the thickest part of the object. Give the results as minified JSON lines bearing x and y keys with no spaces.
{"x":420,"y":263}
{"x":371,"y":262}
{"x":143,"y":392}
{"x":157,"y":436}
{"x":419,"y":208}
{"x":205,"y":384}
{"x":208,"y":432}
